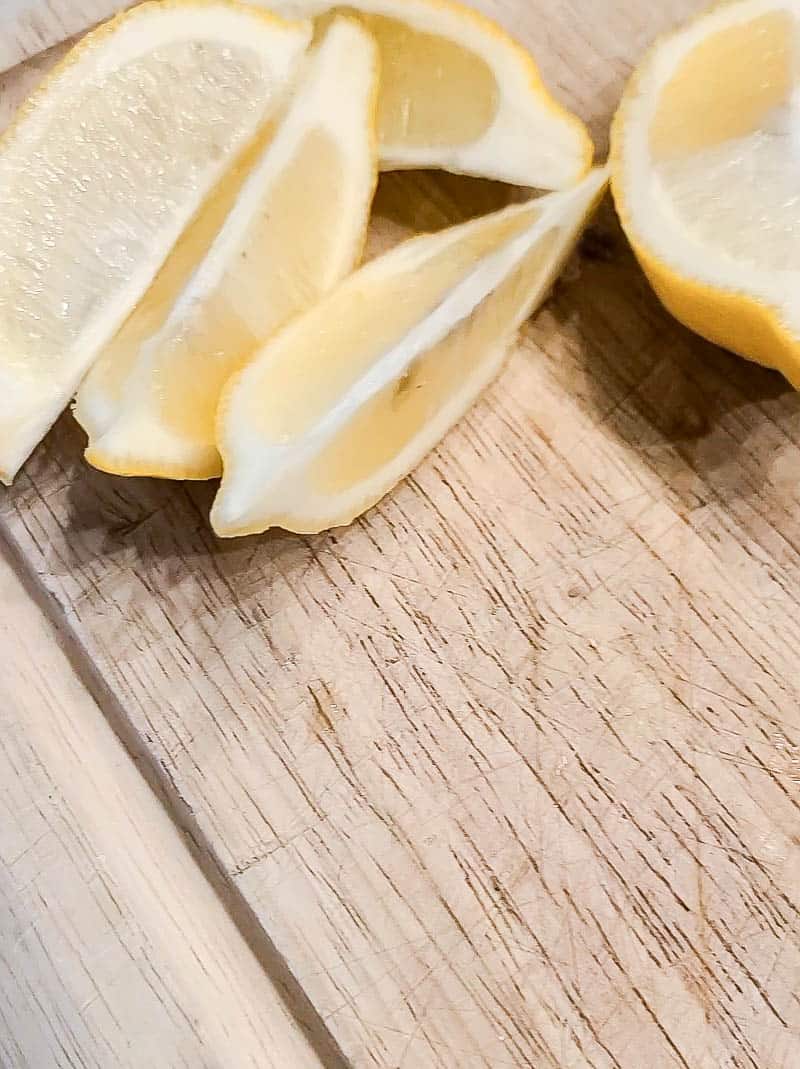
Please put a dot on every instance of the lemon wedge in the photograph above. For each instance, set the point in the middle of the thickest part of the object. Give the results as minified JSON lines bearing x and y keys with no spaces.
{"x":705,"y":177}
{"x":458,"y":93}
{"x":103,"y":171}
{"x":295,"y":228}
{"x":351,"y":395}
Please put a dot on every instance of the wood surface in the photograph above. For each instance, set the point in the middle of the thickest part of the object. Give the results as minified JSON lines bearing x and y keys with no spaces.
{"x":114,"y":949}
{"x":508,"y":772}
{"x":28,"y":27}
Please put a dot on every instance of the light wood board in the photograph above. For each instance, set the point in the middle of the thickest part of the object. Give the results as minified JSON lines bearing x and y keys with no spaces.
{"x":28,"y":27}
{"x":114,"y":949}
{"x":509,"y":771}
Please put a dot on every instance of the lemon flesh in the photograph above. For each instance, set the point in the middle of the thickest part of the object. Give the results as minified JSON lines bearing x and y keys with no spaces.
{"x":101,"y":174}
{"x":721,"y":142}
{"x":349,"y":397}
{"x":281,"y":231}
{"x":458,"y":93}
{"x":706,"y":159}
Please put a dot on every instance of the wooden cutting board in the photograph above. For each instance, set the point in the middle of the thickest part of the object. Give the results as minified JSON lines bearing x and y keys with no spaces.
{"x":28,"y":27}
{"x":508,"y":772}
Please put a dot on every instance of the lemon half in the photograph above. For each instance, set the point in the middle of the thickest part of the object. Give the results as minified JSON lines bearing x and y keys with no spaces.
{"x":706,"y":173}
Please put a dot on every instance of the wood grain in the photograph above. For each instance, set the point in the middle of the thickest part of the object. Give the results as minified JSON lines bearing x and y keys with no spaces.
{"x":28,"y":27}
{"x":114,"y":950}
{"x":508,"y":770}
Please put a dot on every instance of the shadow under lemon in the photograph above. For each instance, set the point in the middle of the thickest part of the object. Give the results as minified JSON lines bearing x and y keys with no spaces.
{"x":708,"y":423}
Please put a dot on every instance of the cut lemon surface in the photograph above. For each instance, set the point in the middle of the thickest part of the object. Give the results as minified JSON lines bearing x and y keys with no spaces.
{"x":350,"y":396}
{"x":103,"y":171}
{"x":458,"y":93}
{"x":706,"y":173}
{"x":292,"y":230}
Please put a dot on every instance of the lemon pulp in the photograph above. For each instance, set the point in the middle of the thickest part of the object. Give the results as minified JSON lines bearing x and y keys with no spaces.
{"x":112,"y":369}
{"x":122,"y":203}
{"x":337,"y":352}
{"x":305,"y":202}
{"x":391,"y":421}
{"x":725,"y":143}
{"x":434,"y":92}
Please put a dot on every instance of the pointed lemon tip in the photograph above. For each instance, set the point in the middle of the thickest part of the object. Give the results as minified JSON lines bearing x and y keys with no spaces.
{"x":226,"y":520}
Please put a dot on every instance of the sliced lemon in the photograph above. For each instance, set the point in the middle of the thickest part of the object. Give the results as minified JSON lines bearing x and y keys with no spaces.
{"x":295,"y":228}
{"x":458,"y":93}
{"x":706,"y":173}
{"x":350,"y":396}
{"x":101,"y":174}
